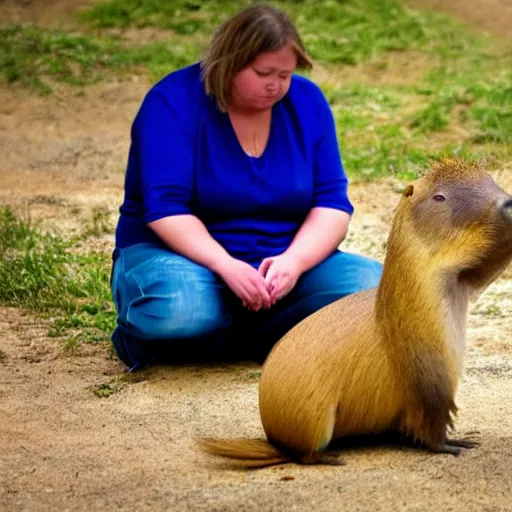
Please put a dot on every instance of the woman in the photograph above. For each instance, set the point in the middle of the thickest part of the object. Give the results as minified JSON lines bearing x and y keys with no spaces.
{"x":235,"y":202}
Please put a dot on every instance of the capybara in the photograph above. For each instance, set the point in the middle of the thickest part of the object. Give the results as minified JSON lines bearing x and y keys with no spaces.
{"x":388,"y":359}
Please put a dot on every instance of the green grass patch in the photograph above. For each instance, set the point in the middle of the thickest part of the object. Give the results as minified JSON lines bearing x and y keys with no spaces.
{"x":378,"y":139}
{"x":38,"y":271}
{"x":461,"y":104}
{"x":185,"y":17}
{"x":117,"y":384}
{"x":383,"y":129}
{"x":492,"y":109}
{"x":37,"y":57}
{"x":159,"y":58}
{"x":349,"y":32}
{"x":30,"y":54}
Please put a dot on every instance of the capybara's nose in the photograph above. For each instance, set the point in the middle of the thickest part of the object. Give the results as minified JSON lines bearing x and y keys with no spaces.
{"x":506,"y":208}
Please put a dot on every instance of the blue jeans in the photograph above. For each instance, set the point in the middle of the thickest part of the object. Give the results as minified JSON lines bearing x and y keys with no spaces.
{"x":170,"y":308}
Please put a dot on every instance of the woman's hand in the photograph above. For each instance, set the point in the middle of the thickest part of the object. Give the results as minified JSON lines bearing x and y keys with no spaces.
{"x":246,"y":283}
{"x":281,"y":274}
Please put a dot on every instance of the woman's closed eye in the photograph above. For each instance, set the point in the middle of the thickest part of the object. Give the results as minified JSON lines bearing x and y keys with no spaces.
{"x":262,"y":73}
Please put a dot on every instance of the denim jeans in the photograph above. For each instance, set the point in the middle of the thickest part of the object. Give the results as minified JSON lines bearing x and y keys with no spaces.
{"x":170,"y":308}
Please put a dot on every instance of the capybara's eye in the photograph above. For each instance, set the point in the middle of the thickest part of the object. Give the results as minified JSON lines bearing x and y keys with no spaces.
{"x":439,"y":197}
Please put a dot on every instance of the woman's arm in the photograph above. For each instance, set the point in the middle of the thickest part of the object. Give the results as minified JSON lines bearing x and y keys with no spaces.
{"x":188,"y":236}
{"x":321,"y":233}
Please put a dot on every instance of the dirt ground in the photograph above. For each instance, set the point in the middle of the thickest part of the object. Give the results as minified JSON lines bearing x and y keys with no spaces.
{"x":64,"y":448}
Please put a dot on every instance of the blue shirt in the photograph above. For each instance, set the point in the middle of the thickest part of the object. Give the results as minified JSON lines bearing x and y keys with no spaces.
{"x":185,"y":158}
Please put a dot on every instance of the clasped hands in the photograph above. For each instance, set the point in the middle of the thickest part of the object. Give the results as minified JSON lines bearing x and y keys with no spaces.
{"x":263,"y":287}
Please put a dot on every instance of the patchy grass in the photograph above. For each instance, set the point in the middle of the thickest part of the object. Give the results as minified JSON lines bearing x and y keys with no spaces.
{"x":398,"y":129}
{"x":30,"y":54}
{"x":107,"y":389}
{"x":117,"y":383}
{"x":392,"y":131}
{"x":459,"y":104}
{"x":100,"y":223}
{"x":37,"y":57}
{"x":492,"y":109}
{"x":182,"y":16}
{"x":346,"y":32}
{"x":39,"y":272}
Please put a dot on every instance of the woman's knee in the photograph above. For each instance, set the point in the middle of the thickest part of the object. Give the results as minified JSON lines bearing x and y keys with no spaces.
{"x":173,"y":317}
{"x":164,"y":296}
{"x":367,"y":272}
{"x":342,"y":274}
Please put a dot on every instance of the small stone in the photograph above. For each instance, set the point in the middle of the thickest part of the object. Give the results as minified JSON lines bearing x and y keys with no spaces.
{"x":399,"y":188}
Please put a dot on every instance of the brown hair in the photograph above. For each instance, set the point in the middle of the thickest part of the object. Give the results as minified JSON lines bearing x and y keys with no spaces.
{"x":238,"y":41}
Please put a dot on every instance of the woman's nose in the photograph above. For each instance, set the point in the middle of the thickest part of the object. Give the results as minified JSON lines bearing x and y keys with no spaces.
{"x":271,"y":86}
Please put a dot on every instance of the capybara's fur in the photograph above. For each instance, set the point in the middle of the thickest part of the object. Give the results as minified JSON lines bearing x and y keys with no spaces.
{"x":388,"y":359}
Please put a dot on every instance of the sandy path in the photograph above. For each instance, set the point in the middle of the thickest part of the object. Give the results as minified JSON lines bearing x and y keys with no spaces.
{"x":62,"y":447}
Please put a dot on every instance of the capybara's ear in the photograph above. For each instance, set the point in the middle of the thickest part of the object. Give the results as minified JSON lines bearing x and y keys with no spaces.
{"x":409,"y":191}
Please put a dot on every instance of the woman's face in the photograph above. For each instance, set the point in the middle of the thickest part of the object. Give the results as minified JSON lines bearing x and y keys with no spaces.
{"x":265,"y":80}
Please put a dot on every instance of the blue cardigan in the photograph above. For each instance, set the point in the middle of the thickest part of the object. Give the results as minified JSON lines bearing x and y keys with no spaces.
{"x":186,"y":159}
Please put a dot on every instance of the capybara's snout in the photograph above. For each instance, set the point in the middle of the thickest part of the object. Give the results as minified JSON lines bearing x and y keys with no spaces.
{"x":505,"y":208}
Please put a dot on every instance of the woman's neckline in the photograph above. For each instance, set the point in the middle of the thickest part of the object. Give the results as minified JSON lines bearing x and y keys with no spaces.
{"x":267,"y":143}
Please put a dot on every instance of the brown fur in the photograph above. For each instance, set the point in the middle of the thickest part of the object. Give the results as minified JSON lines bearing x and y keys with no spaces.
{"x":388,"y":358}
{"x":255,"y":452}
